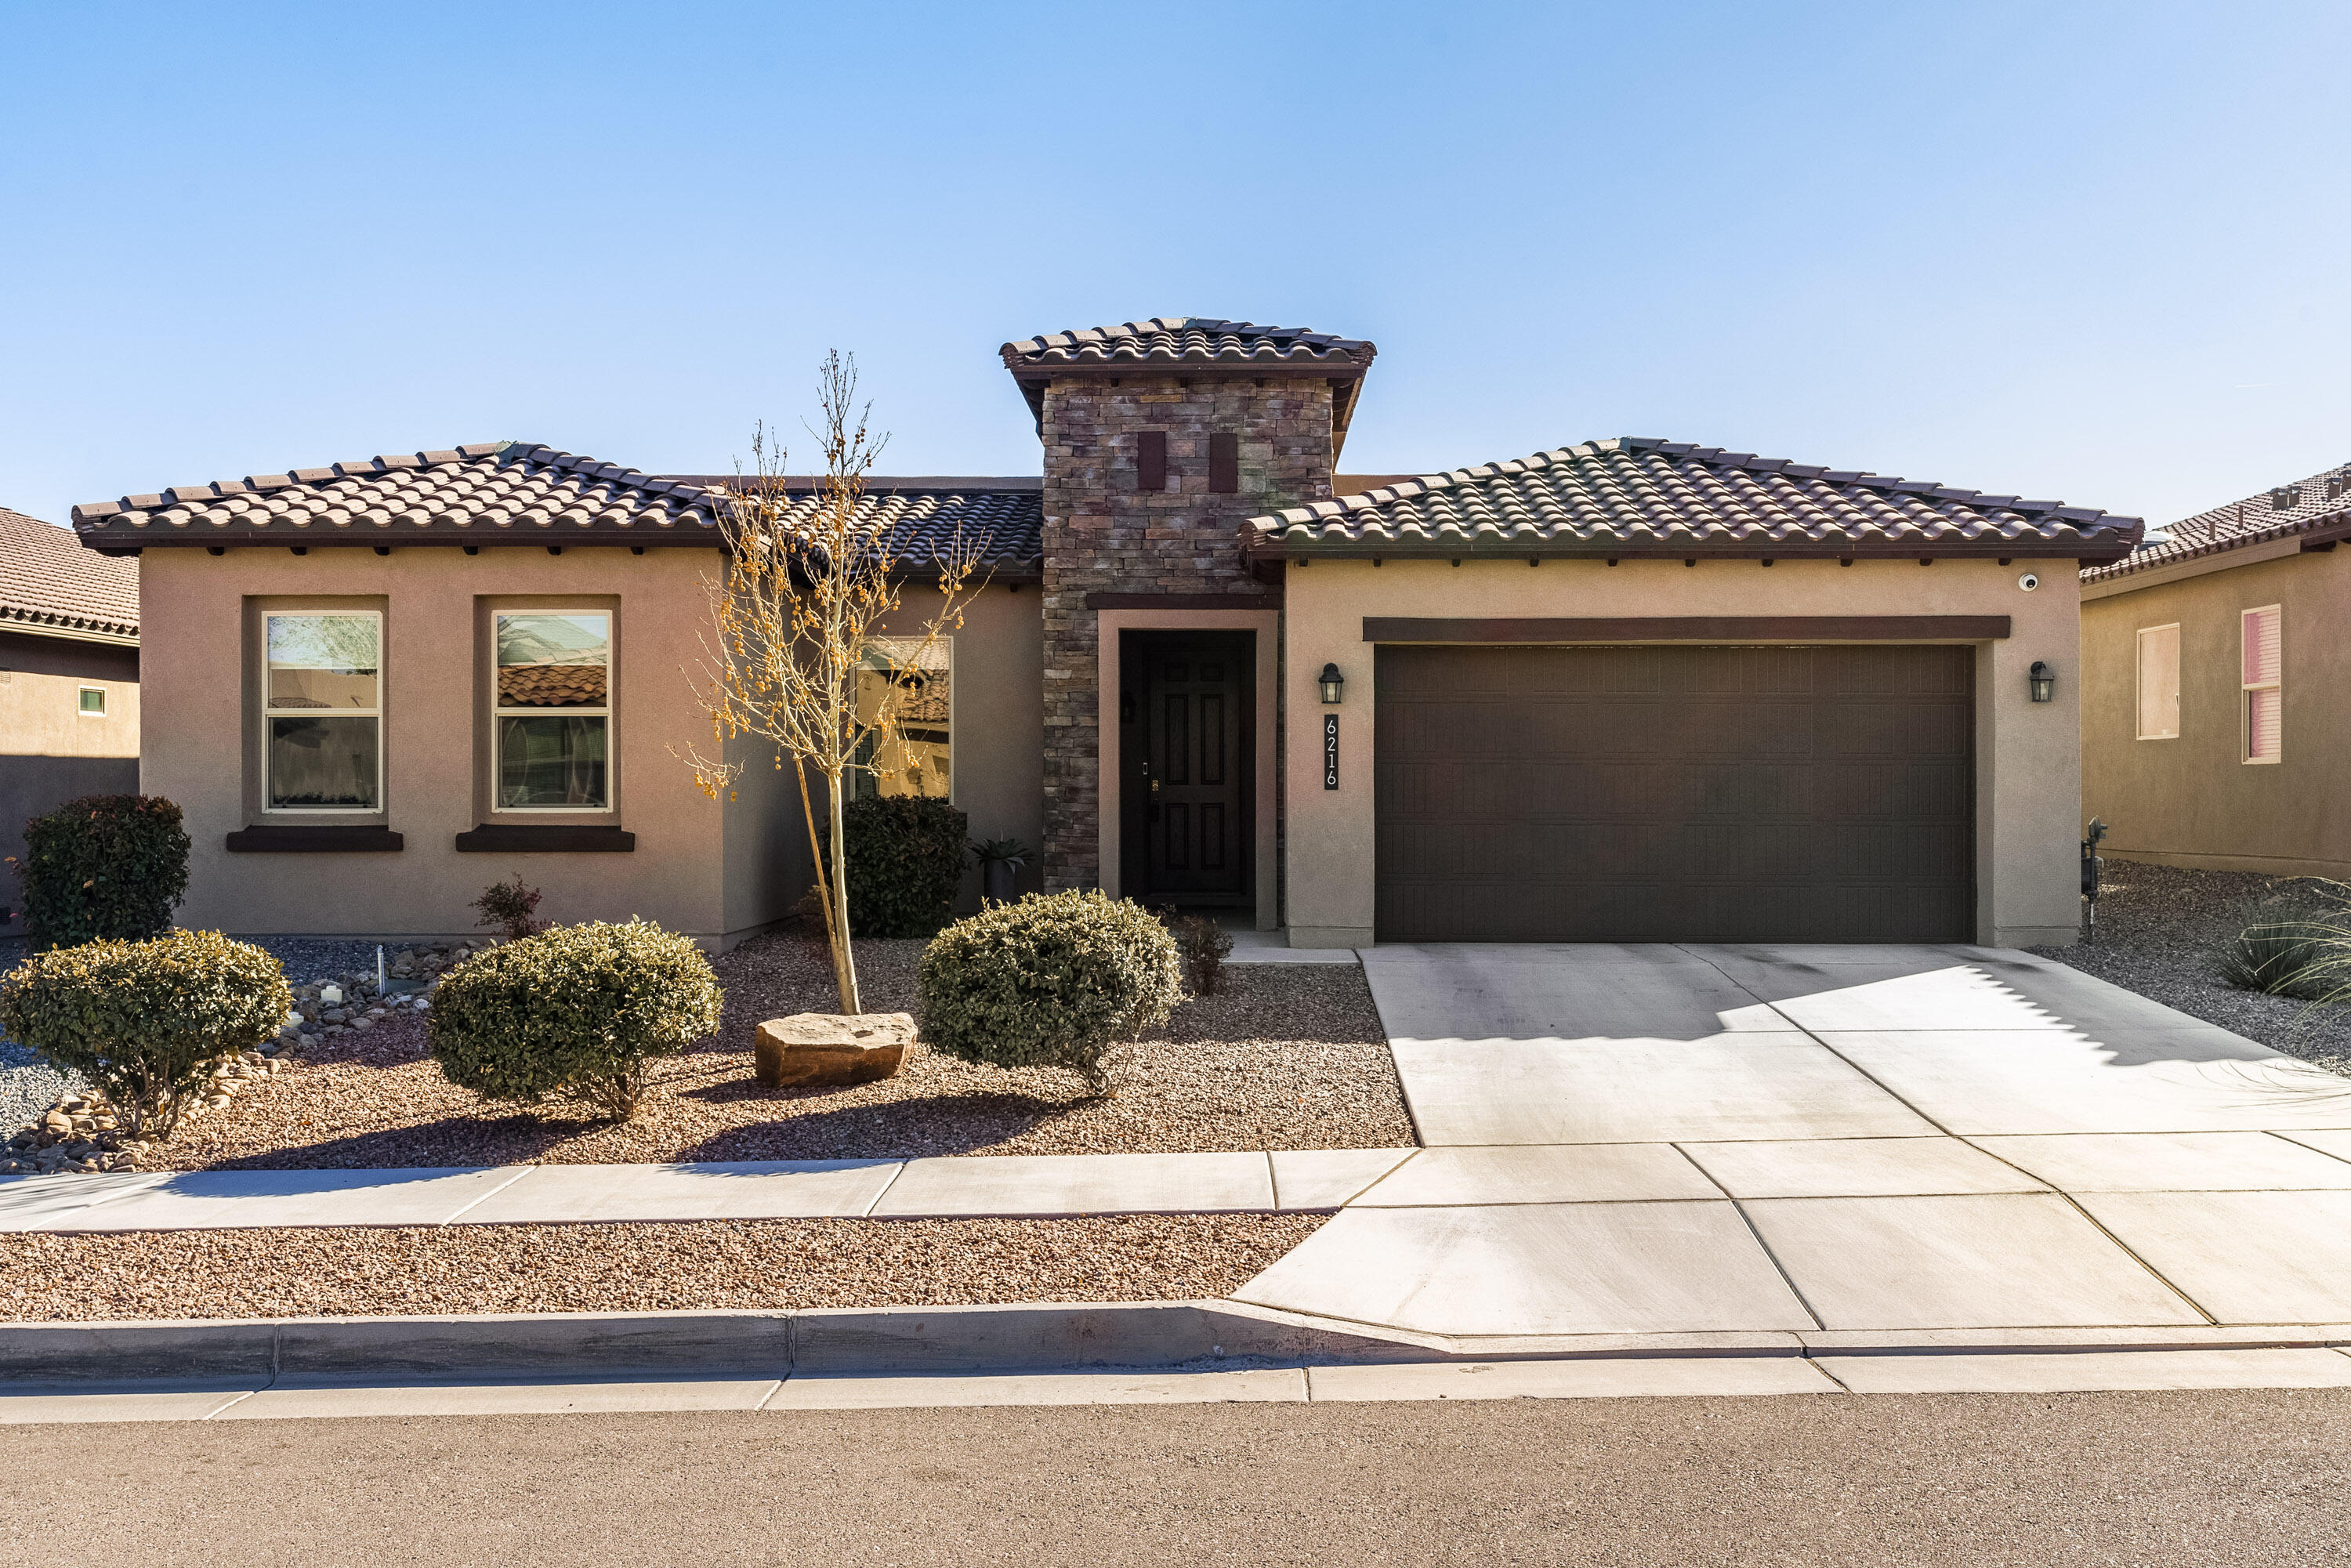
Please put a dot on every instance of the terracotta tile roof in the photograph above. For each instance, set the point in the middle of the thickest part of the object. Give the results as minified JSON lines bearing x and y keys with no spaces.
{"x":1638,"y":496}
{"x":1003,"y":518}
{"x":505,"y":492}
{"x":2317,"y":509}
{"x":1188,"y":340}
{"x":49,"y":583}
{"x":552,"y":686}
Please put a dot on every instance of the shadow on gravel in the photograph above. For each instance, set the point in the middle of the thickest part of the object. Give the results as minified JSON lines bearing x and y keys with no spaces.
{"x":938,"y":1125}
{"x":517,"y":1139}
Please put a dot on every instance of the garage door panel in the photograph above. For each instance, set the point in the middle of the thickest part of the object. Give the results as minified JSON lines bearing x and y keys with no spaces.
{"x":1675,"y":794}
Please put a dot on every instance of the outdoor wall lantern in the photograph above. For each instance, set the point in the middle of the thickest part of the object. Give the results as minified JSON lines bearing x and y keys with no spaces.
{"x":2043,"y":681}
{"x":1331,"y":680}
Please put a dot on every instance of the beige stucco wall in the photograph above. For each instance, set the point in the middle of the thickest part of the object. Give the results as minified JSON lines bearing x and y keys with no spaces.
{"x":200,"y":745}
{"x":2027,"y":755}
{"x":2194,"y":801}
{"x":40,"y":715}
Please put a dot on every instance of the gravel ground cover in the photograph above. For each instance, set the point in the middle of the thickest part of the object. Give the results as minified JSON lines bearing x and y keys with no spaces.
{"x":2160,"y":929}
{"x":704,"y":1265}
{"x":28,"y":1086}
{"x":1286,"y":1056}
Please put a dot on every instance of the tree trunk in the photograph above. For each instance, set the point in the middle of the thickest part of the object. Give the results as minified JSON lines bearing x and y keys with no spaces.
{"x":844,"y":963}
{"x":824,"y":895}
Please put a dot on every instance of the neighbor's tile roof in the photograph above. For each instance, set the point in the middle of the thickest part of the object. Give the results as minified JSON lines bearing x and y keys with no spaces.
{"x":1001,"y":519}
{"x":2318,"y":506}
{"x":1188,"y":340}
{"x":552,"y":686}
{"x":49,"y":583}
{"x":505,"y":492}
{"x":1640,"y":496}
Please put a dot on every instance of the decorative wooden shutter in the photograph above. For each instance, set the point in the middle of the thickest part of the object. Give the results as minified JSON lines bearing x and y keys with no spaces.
{"x":2264,"y":669}
{"x":2158,"y":683}
{"x":1224,"y":463}
{"x":1151,"y":460}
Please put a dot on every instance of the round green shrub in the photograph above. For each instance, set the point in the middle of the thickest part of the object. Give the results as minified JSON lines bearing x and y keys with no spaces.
{"x":1051,"y":981}
{"x":579,"y":1012}
{"x":905,"y":862}
{"x":146,"y":1021}
{"x":103,"y":868}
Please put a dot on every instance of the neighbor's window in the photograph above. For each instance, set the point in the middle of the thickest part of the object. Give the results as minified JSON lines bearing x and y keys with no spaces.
{"x":554,"y":715}
{"x":93,"y":702}
{"x":918,"y":685}
{"x":322,"y":704}
{"x":2158,"y":683}
{"x":2264,"y":664}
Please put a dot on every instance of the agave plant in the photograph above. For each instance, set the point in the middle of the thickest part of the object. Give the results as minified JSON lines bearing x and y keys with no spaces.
{"x":2307,"y":956}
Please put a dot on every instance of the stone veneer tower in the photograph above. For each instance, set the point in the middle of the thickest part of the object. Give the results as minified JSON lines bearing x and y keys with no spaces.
{"x":1161,"y":438}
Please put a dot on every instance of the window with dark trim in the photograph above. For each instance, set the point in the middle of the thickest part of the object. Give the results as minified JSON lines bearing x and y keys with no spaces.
{"x":1151,"y":460}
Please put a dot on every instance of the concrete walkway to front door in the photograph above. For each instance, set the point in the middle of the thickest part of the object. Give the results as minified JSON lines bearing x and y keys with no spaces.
{"x":1841,"y":1143}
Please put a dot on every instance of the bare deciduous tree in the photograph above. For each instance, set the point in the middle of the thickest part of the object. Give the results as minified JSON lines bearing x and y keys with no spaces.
{"x":810,"y":580}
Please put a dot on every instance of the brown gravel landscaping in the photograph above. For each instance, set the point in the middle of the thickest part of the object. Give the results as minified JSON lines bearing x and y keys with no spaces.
{"x":1285,"y":1057}
{"x":706,"y":1264}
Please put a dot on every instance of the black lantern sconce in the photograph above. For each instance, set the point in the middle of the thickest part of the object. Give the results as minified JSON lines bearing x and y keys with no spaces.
{"x":2043,"y":682}
{"x":1331,"y":681}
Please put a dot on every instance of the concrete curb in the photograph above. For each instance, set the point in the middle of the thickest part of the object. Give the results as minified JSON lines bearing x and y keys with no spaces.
{"x":1201,"y":1334}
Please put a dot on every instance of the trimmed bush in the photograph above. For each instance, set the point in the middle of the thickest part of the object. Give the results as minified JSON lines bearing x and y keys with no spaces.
{"x":579,"y":1012}
{"x":146,"y":1021}
{"x":1054,"y":980}
{"x":103,"y":868}
{"x":905,"y":862}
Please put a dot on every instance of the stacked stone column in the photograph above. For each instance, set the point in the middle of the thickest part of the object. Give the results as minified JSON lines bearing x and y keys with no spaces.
{"x":1104,"y":534}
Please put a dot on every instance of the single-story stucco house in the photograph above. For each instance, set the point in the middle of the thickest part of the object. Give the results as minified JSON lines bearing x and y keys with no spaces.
{"x":69,"y":680}
{"x":1631,"y":690}
{"x":2216,"y":717}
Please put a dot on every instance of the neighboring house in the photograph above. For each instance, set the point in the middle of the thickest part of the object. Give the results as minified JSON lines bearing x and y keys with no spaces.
{"x":68,"y":679}
{"x":1631,"y":690}
{"x":2216,"y":718}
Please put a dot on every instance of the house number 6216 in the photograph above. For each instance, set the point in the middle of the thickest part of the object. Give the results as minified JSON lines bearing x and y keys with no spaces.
{"x":1329,"y":751}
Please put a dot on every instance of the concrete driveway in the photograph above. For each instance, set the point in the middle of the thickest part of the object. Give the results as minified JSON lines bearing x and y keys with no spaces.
{"x":1832,"y":1141}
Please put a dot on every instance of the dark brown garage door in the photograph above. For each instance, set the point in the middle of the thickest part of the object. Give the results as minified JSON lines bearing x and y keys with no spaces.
{"x":1675,"y":794}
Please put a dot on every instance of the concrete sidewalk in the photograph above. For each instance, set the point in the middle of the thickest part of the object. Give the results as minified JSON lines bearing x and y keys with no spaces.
{"x":1008,"y":1186}
{"x":1666,"y":1140}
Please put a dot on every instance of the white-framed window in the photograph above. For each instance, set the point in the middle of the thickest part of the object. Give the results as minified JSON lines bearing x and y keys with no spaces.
{"x":2158,"y":683}
{"x":93,"y":702}
{"x":551,"y":739}
{"x":2263,"y":642}
{"x":323,"y":695}
{"x":917,"y":683}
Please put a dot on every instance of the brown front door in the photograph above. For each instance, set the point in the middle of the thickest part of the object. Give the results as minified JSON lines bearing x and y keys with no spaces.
{"x":1185,"y":741}
{"x":1675,"y":794}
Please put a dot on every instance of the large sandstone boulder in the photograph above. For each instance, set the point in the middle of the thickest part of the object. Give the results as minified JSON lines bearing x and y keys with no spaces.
{"x":809,"y":1049}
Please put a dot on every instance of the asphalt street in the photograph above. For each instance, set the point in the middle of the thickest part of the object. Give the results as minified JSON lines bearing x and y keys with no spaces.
{"x":2097,"y":1479}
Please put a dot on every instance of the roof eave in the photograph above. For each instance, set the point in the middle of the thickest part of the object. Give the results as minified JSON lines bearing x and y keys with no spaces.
{"x":1359,"y":549}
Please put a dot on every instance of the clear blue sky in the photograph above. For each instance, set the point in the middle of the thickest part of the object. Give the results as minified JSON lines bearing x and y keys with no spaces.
{"x":2092,"y":252}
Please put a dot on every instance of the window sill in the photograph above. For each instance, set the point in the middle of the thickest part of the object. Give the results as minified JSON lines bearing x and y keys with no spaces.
{"x":319,"y":841}
{"x":505,"y":838}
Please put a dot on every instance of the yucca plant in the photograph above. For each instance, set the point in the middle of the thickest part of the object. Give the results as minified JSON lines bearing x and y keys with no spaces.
{"x":2306,"y":955}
